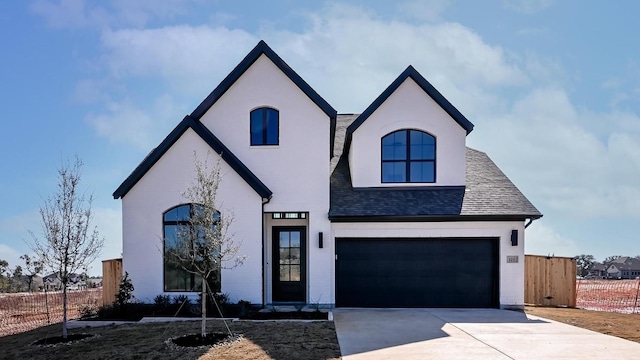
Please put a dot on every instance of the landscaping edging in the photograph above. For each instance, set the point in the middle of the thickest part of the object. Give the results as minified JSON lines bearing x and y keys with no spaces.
{"x":77,"y":324}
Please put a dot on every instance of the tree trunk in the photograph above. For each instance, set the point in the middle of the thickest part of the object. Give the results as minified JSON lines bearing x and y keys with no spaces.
{"x":204,"y":308}
{"x":64,"y":311}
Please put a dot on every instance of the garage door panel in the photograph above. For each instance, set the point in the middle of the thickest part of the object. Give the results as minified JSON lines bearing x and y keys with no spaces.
{"x":417,"y":272}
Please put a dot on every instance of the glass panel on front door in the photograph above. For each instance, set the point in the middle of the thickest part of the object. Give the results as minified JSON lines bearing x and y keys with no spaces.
{"x":289,"y":249}
{"x":289,"y":256}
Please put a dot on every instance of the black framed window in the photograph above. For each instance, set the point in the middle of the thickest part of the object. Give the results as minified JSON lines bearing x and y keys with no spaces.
{"x":265,"y":126}
{"x":176,"y":225}
{"x":408,"y":156}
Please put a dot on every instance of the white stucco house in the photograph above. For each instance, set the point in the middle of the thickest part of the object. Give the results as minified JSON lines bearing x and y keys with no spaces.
{"x":387,"y":208}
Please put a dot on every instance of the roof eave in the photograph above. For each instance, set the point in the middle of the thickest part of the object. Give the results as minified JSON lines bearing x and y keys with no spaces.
{"x":260,"y":49}
{"x":428,"y":218}
{"x":411,"y":72}
{"x":207,"y":136}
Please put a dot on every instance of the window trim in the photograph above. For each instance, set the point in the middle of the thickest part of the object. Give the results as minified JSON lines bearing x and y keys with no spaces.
{"x":408,"y":161}
{"x":264,"y":110}
{"x":192,"y":279}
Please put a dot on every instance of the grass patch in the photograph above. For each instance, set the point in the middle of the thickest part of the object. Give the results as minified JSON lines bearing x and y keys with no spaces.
{"x":259,"y":340}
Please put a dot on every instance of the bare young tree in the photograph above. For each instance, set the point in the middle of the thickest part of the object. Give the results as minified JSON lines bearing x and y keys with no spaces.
{"x":33,"y":267}
{"x":68,"y":243}
{"x":205,"y":246}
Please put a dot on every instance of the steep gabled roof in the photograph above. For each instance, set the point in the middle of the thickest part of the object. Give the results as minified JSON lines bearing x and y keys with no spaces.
{"x":488,"y":194}
{"x":189,"y":123}
{"x":263,"y":49}
{"x":412,"y":73}
{"x":193,"y":122}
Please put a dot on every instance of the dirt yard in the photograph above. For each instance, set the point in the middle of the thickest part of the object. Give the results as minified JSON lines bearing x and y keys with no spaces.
{"x":626,"y":326}
{"x":262,"y":340}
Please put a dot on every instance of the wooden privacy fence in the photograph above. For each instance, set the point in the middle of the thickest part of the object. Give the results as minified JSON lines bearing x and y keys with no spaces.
{"x":549,"y":281}
{"x":111,"y":277}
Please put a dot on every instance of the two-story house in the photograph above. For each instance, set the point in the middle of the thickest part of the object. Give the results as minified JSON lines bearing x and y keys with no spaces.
{"x":388,"y":208}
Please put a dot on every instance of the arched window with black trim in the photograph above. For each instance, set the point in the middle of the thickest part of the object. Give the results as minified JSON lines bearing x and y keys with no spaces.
{"x":265,"y":126}
{"x":179,"y":231}
{"x":408,"y":156}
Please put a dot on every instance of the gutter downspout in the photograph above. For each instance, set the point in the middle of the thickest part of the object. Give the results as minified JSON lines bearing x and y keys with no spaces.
{"x":264,"y":202}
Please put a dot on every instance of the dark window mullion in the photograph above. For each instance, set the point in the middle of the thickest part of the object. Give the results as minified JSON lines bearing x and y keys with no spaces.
{"x":408,"y":157}
{"x":265,"y":126}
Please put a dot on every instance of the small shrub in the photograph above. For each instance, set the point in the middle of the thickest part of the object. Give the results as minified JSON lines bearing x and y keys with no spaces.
{"x":125,"y":291}
{"x":132,"y":311}
{"x":162,"y":305}
{"x":88,"y":311}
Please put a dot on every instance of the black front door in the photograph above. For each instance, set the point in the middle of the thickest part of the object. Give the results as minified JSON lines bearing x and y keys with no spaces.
{"x":289,"y":263}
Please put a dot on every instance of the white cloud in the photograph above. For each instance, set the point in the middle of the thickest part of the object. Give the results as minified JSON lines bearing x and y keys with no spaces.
{"x":11,"y":255}
{"x":189,"y":58}
{"x":125,"y":123}
{"x":350,"y":55}
{"x":543,"y":240}
{"x":527,"y":6}
{"x":545,"y":147}
{"x":347,"y":54}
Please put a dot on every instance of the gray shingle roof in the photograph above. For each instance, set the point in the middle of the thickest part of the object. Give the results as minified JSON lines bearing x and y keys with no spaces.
{"x":488,"y":194}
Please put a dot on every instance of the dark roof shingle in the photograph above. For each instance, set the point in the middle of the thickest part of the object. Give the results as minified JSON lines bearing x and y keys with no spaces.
{"x":488,"y":194}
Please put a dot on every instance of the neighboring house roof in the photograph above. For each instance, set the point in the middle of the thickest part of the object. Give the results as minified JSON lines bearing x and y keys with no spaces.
{"x":627,"y":263}
{"x":260,"y":49}
{"x":189,"y":123}
{"x":412,"y":73}
{"x":488,"y":194}
{"x":598,"y":267}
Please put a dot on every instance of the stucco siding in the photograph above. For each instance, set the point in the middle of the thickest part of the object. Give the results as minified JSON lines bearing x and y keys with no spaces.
{"x":409,"y":107}
{"x":159,"y":190}
{"x":296,"y":169}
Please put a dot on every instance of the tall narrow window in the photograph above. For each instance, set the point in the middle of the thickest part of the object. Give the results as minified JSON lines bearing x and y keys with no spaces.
{"x":177,"y":230}
{"x":264,"y":126}
{"x":408,"y":156}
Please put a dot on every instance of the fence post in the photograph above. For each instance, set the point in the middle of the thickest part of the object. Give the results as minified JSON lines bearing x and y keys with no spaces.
{"x":46,"y":304}
{"x":635,"y":304}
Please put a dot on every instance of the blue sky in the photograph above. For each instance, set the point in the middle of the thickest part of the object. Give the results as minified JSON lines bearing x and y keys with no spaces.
{"x":551,"y":86}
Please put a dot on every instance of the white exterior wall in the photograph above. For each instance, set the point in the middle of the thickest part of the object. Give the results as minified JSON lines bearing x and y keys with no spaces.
{"x":296,"y":170}
{"x":511,"y":274}
{"x":160,"y":189}
{"x":409,"y":107}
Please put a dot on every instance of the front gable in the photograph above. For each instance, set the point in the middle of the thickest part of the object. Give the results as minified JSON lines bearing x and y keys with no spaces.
{"x":259,"y":54}
{"x":215,"y":144}
{"x":409,"y":103}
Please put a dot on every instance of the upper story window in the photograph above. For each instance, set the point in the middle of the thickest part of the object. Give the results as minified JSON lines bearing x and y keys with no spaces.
{"x":408,"y":156}
{"x":179,"y":232}
{"x":264,"y":126}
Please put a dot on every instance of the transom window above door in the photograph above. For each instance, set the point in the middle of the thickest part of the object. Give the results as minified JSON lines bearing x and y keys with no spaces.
{"x":265,"y":126}
{"x":408,"y":156}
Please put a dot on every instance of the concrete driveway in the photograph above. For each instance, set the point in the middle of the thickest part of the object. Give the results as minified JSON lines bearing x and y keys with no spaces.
{"x":468,"y":334}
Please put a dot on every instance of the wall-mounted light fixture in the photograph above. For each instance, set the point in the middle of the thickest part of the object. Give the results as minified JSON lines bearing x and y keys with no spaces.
{"x":320,"y":244}
{"x":514,"y":237}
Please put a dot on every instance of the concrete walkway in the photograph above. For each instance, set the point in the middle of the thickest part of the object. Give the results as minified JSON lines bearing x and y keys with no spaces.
{"x":468,"y":334}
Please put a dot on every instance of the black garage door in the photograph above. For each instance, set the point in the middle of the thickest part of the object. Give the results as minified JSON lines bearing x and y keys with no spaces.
{"x":442,"y":272}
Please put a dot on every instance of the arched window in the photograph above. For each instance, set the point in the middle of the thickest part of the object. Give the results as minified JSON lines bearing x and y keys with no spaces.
{"x":178,"y":231}
{"x":408,"y":156}
{"x":264,"y":126}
